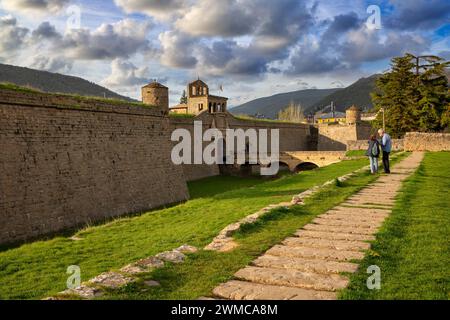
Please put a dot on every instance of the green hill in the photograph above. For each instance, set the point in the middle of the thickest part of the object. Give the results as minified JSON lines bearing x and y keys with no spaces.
{"x":357,"y":94}
{"x":270,"y":106}
{"x":313,"y":100}
{"x":55,"y":82}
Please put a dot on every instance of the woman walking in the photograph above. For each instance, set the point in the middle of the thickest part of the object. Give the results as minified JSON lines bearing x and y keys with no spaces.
{"x":373,"y":152}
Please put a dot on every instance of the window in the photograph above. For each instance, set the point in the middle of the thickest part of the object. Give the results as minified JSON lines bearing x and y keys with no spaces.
{"x":200,"y":106}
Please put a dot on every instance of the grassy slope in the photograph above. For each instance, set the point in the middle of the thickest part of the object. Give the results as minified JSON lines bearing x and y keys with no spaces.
{"x":205,"y":270}
{"x":413,"y":248}
{"x":38,"y":269}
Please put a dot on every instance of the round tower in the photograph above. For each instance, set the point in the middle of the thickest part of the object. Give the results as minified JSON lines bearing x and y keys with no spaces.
{"x":353,"y":115}
{"x":155,"y":94}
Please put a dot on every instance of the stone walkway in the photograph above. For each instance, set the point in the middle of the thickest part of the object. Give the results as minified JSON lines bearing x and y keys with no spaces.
{"x":309,"y":265}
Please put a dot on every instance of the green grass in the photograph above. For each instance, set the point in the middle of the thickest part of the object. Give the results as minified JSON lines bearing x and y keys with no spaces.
{"x":209,"y":187}
{"x":356,"y":153}
{"x":13,"y":87}
{"x":205,"y":270}
{"x":39,"y":269}
{"x":413,"y":247}
{"x":181,"y":115}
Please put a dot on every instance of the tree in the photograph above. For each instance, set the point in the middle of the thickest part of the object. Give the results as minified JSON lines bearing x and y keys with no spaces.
{"x":293,"y":113}
{"x":414,"y":96}
{"x":183,"y":99}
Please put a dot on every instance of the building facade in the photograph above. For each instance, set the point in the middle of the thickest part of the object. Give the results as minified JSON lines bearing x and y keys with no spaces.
{"x":199,"y":99}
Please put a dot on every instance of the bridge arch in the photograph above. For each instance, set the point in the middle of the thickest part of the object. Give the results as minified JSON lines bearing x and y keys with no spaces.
{"x":305,"y":166}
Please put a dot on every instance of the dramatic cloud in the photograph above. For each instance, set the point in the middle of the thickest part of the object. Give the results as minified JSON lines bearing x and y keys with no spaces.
{"x":34,"y":6}
{"x":109,"y":41}
{"x":126,"y":74}
{"x":52,"y":64}
{"x":45,"y":31}
{"x":178,"y":50}
{"x":366,"y":45}
{"x":160,"y":9}
{"x":12,"y":36}
{"x":418,"y":14}
{"x":217,"y":18}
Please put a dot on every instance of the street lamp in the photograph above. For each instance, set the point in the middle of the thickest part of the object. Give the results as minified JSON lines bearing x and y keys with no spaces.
{"x":384,"y":118}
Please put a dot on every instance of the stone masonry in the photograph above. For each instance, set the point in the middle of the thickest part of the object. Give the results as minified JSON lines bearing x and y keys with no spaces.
{"x":67,"y":161}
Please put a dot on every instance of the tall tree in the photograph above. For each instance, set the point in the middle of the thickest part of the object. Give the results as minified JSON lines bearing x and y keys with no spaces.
{"x":413,"y":95}
{"x":293,"y":113}
{"x":183,"y":99}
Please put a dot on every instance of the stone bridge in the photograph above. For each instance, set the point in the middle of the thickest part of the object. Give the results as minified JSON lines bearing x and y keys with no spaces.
{"x":303,"y":160}
{"x":291,"y":160}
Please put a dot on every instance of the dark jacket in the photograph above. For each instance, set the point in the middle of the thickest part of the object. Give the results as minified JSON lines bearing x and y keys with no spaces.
{"x":369,"y":150}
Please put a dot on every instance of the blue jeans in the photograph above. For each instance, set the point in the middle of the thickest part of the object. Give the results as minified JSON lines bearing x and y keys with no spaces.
{"x":373,"y":164}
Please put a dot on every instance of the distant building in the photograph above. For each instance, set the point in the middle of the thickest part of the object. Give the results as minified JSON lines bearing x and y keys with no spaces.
{"x":330,"y":117}
{"x":155,"y":94}
{"x":199,"y":99}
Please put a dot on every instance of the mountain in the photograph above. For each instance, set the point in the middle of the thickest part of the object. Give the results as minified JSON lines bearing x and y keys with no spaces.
{"x":270,"y":106}
{"x":357,"y":94}
{"x":54,"y":82}
{"x":313,"y":100}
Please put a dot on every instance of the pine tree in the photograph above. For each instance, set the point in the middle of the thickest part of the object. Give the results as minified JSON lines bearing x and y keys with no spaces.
{"x":413,"y":96}
{"x":183,"y":99}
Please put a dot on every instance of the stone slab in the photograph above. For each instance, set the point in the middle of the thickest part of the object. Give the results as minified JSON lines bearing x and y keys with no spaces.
{"x":329,"y":244}
{"x":242,"y":290}
{"x":293,"y":278}
{"x":315,"y":253}
{"x":334,"y":235}
{"x":325,"y":228}
{"x":302,"y":264}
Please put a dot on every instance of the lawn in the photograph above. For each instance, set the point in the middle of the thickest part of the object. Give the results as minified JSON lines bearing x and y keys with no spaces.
{"x":203,"y":271}
{"x":413,"y":247}
{"x":38,"y":269}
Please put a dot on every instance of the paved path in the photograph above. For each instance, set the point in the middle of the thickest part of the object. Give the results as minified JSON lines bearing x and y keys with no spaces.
{"x":309,"y":264}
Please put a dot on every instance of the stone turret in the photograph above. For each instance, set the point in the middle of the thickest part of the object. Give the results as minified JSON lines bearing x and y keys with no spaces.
{"x":353,"y":115}
{"x":155,"y":94}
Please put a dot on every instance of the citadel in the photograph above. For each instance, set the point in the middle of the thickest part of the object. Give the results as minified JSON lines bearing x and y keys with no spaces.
{"x":73,"y":160}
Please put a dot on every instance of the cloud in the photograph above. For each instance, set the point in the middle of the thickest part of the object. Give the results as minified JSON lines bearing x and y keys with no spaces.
{"x":126,"y":74}
{"x":341,"y":24}
{"x":45,"y":31}
{"x":177,"y":50}
{"x":52,"y":64}
{"x":418,"y":14}
{"x":12,"y":36}
{"x":159,"y":9}
{"x":118,"y":40}
{"x":34,"y":6}
{"x":364,"y":45}
{"x":225,"y":18}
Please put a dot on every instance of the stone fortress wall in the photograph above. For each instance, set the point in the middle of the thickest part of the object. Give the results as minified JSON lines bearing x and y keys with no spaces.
{"x":68,"y":161}
{"x":65,"y":162}
{"x":418,"y":141}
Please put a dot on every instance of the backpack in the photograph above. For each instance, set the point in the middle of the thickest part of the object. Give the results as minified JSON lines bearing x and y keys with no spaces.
{"x":375,"y":150}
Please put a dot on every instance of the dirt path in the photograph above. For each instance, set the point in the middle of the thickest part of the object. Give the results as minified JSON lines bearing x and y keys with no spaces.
{"x":309,"y":264}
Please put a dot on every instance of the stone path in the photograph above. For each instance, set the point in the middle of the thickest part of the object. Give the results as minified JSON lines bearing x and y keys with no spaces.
{"x":309,"y":265}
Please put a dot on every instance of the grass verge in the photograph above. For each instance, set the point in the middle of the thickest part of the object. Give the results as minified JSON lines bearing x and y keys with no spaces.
{"x":38,"y":269}
{"x":413,"y":247}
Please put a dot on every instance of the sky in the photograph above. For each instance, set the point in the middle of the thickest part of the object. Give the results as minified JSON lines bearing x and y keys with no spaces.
{"x":251,"y":48}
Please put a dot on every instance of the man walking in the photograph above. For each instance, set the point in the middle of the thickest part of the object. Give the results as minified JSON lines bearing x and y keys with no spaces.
{"x":386,"y":146}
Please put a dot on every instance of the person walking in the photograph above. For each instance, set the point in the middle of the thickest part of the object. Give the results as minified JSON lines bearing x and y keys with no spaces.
{"x":373,"y":152}
{"x":386,"y":146}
